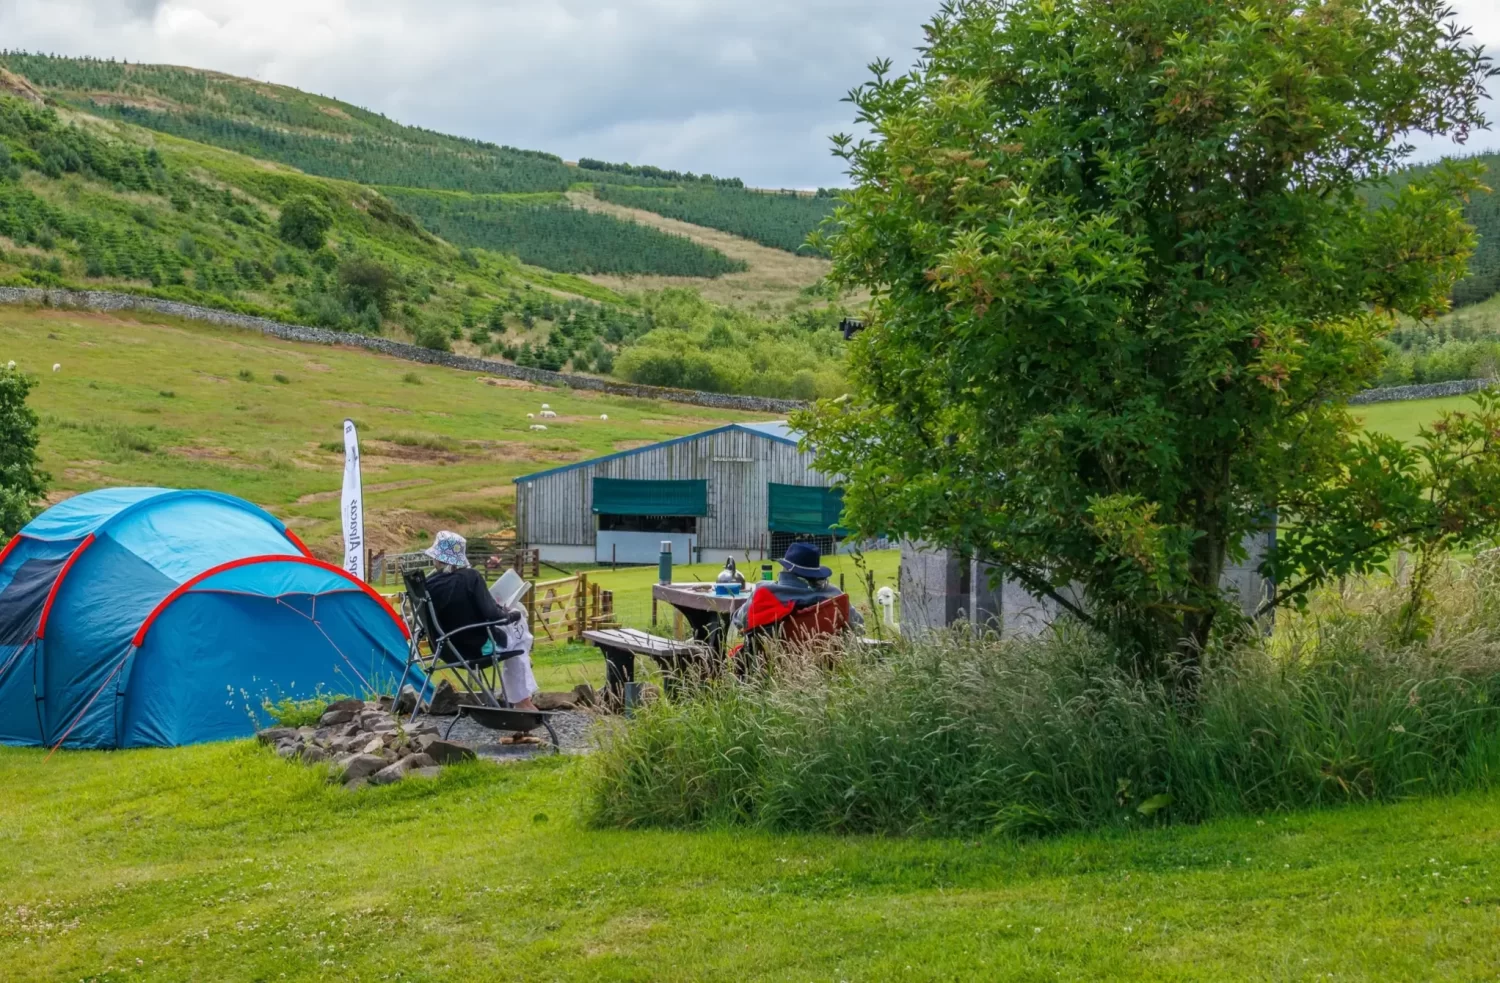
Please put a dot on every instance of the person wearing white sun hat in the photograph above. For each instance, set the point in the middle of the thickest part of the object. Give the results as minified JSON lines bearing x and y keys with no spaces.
{"x":461,"y":597}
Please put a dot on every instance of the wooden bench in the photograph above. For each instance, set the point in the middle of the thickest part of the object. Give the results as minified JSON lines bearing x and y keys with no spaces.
{"x":621,"y":645}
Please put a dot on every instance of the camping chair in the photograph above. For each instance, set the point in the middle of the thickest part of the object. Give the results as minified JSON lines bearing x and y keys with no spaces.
{"x":480,"y":677}
{"x":813,"y":627}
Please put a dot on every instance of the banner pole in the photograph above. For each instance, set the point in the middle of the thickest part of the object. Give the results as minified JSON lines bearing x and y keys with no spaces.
{"x":352,"y":506}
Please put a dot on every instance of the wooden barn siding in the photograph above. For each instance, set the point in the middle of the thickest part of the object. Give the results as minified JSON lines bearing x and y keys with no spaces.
{"x":556,"y":510}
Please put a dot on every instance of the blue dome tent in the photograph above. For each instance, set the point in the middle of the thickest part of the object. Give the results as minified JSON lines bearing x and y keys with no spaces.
{"x":135,"y":617}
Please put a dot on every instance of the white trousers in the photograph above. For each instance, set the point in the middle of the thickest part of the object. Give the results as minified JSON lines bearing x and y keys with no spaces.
{"x":516,"y":677}
{"x":515,"y":673}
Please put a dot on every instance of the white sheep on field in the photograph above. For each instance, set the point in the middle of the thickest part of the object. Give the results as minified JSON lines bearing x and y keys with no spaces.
{"x":531,"y":416}
{"x":56,"y":366}
{"x":11,"y":364}
{"x":546,"y":406}
{"x":604,"y":416}
{"x":538,"y":426}
{"x":548,"y":415}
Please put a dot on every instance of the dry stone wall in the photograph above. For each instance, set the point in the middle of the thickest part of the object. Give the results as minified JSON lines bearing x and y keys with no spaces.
{"x":1430,"y":390}
{"x":104,"y":300}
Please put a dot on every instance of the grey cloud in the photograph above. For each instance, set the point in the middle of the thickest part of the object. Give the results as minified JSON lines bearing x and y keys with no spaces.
{"x":744,"y":88}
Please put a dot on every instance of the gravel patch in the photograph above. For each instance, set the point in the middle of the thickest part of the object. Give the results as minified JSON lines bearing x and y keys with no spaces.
{"x":575,"y":734}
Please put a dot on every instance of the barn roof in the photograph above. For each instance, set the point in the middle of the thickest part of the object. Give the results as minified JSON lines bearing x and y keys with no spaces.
{"x":773,"y":430}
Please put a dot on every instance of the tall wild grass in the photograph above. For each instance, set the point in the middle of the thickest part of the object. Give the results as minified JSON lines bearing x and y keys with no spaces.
{"x":966,"y":735}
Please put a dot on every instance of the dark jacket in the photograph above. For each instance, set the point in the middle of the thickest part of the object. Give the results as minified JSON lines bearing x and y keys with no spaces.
{"x":461,"y":598}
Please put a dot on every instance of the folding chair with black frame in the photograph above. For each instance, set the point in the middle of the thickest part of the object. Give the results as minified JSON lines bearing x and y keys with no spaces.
{"x":481,"y":678}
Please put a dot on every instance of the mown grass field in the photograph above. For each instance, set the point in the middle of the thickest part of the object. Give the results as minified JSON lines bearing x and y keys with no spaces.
{"x":162,"y":402}
{"x":224,"y":863}
{"x":1404,"y":418}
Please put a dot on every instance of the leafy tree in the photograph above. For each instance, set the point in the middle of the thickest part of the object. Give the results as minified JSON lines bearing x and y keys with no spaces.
{"x":305,"y":222}
{"x":1125,"y":274}
{"x":367,"y":282}
{"x":22,"y":482}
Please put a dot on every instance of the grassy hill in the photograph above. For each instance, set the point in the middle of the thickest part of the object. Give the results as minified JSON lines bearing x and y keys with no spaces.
{"x":335,"y":139}
{"x":158,"y":401}
{"x":92,"y":202}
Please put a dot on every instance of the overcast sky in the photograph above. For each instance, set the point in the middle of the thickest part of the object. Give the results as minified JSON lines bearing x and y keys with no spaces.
{"x":733,"y":87}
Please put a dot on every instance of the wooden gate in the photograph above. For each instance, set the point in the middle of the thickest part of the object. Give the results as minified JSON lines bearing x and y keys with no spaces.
{"x":562,"y":610}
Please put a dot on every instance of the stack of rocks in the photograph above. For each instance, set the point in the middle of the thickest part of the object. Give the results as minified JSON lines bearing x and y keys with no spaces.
{"x":365,"y":744}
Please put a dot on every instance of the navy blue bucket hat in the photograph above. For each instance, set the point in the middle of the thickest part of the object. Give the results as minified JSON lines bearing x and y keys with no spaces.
{"x":804,"y":560}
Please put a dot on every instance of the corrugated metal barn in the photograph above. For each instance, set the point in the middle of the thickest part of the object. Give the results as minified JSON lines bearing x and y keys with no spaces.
{"x":738,"y":490}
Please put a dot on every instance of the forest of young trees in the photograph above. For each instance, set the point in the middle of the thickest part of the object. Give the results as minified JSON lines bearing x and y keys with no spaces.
{"x":781,"y":220}
{"x":555,"y":235}
{"x":658,"y":174}
{"x":1483,"y":212}
{"x":316,"y":135}
{"x":82,"y":207}
{"x":98,"y":210}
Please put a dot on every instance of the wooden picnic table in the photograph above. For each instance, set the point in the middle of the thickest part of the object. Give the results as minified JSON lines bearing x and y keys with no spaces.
{"x":701,"y":656}
{"x":707,"y":613}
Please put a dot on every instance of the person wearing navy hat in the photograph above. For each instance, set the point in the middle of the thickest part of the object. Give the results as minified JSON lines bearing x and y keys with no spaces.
{"x":803,"y":582}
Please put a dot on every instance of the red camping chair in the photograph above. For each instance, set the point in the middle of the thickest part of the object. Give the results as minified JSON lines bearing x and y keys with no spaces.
{"x":815,"y":628}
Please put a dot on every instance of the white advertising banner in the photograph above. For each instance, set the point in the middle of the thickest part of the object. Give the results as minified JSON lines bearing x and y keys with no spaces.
{"x":353,"y":505}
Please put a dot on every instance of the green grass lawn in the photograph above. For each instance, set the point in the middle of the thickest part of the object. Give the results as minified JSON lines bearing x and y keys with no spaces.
{"x":153,"y":401}
{"x":221,"y":863}
{"x":1402,"y":419}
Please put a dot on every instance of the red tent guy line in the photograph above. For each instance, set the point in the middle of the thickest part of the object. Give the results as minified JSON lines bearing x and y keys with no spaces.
{"x":140,"y":635}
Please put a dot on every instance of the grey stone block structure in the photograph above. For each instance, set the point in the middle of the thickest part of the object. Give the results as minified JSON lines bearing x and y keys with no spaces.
{"x":939,"y":588}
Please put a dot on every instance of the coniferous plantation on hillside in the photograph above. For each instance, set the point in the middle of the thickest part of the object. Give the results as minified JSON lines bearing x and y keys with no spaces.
{"x":781,"y":220}
{"x":94,"y":203}
{"x":545,"y":230}
{"x":314,"y":134}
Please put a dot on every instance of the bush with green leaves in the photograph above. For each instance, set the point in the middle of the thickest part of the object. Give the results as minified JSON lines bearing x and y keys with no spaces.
{"x":959,"y":735}
{"x":22,"y":481}
{"x":1125,"y":277}
{"x":305,"y":222}
{"x":694,"y":344}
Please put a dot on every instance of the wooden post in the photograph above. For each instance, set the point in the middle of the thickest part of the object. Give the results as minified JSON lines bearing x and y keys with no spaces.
{"x":580,"y":604}
{"x":653,"y":612}
{"x":613,"y":547}
{"x":677,"y":624}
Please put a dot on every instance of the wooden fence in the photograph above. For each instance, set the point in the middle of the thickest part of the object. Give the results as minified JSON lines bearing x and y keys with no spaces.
{"x":562,"y":610}
{"x":491,"y":556}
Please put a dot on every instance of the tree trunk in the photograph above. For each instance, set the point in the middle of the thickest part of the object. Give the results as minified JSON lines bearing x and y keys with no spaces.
{"x":1205,"y":568}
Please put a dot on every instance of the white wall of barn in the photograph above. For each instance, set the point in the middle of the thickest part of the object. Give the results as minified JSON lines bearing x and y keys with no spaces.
{"x":557,"y":509}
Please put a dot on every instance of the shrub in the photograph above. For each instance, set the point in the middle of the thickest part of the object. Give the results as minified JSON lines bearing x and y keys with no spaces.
{"x":958,"y":735}
{"x":287,"y":712}
{"x":305,"y":222}
{"x":367,"y":283}
{"x":412,"y":379}
{"x":245,"y":375}
{"x":22,"y":481}
{"x":281,"y":379}
{"x":431,"y":336}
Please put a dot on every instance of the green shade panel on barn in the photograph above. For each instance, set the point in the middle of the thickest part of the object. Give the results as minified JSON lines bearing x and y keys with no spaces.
{"x":623,"y":496}
{"x":806,"y":509}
